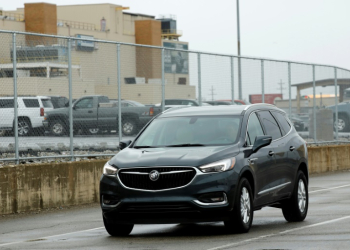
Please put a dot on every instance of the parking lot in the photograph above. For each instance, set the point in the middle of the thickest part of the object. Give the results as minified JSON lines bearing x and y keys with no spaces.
{"x":326,"y":227}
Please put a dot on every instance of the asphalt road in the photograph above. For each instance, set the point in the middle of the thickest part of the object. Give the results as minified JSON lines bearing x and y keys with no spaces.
{"x":327,"y":226}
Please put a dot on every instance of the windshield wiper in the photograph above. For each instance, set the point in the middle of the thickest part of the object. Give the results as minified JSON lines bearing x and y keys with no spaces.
{"x":186,"y":145}
{"x":145,"y":147}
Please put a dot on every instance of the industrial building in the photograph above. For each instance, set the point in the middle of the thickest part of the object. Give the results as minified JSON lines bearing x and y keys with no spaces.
{"x":42,"y":67}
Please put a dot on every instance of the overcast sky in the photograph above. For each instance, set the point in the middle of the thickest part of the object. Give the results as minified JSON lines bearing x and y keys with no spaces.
{"x":300,"y":30}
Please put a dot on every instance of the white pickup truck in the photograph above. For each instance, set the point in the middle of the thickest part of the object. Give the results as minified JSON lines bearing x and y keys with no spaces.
{"x":31,"y":111}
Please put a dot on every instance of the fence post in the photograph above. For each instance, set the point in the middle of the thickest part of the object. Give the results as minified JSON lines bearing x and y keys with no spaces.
{"x":14,"y":59}
{"x":262,"y":82}
{"x":120,"y":132}
{"x":336,"y":103}
{"x":163,"y":80}
{"x":199,"y":80}
{"x":314,"y":101}
{"x":290,"y":89}
{"x":70,"y":98}
{"x":232,"y":82}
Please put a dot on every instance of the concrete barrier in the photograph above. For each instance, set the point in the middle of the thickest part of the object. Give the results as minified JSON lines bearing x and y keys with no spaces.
{"x":40,"y":186}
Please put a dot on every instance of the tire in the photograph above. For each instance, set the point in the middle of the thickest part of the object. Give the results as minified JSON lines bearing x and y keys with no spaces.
{"x":2,"y":132}
{"x":91,"y":131}
{"x":24,"y":127}
{"x":129,"y":127}
{"x":115,"y":229}
{"x":58,"y":128}
{"x":242,"y":214}
{"x":295,"y":209}
{"x":343,"y":123}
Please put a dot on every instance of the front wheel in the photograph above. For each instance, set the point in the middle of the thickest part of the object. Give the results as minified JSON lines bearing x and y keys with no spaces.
{"x":115,"y":229}
{"x":342,"y":124}
{"x":295,"y":209}
{"x":24,"y":127}
{"x":58,"y":128}
{"x":242,"y":214}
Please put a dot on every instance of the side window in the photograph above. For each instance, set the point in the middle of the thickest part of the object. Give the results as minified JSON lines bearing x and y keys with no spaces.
{"x":270,"y":125}
{"x":254,"y":128}
{"x":31,"y":103}
{"x":85,"y":103}
{"x":6,"y":103}
{"x":103,"y":99}
{"x":282,"y":121}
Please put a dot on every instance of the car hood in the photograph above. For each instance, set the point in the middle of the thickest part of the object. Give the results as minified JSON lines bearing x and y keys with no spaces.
{"x":185,"y":156}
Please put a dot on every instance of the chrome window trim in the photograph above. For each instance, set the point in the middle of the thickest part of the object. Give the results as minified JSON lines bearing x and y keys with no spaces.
{"x":290,"y":130}
{"x":214,"y":203}
{"x":198,"y":172}
{"x":273,"y":188}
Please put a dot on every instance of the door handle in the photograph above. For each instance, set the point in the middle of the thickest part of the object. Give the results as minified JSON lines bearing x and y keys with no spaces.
{"x":291,"y":148}
{"x":90,"y":111}
{"x":271,"y":153}
{"x":252,"y":161}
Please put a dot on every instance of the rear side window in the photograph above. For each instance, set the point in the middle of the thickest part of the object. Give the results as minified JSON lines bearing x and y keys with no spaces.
{"x":254,"y":129}
{"x":270,"y":125}
{"x":103,"y":99}
{"x":282,"y":121}
{"x":6,"y":103}
{"x":31,"y":103}
{"x":47,"y":103}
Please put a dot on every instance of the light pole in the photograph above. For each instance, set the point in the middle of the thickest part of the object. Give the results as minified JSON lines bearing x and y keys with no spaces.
{"x":239,"y":55}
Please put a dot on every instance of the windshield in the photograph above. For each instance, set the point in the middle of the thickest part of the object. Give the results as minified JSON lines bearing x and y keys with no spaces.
{"x":190,"y":131}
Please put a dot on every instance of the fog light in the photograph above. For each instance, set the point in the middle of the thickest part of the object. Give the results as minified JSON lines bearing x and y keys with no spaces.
{"x":110,"y":200}
{"x":213,"y":198}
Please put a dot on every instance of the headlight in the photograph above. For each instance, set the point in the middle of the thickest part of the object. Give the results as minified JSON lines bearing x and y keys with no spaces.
{"x":109,"y":170}
{"x":219,"y":166}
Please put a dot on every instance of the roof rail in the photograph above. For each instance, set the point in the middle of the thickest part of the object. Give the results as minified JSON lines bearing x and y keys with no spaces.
{"x":175,"y":108}
{"x":252,"y":105}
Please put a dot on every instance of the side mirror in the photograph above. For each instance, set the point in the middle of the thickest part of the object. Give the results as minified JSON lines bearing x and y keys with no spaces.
{"x":261,"y":141}
{"x":123,"y":144}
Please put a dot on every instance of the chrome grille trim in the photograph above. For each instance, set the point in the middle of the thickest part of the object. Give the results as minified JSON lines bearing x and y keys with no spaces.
{"x":198,"y":172}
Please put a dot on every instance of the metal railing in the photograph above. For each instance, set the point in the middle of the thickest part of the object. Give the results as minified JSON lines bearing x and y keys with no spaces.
{"x":155,"y":77}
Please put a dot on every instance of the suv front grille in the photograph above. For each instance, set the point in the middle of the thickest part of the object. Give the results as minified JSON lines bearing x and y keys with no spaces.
{"x":169,"y":177}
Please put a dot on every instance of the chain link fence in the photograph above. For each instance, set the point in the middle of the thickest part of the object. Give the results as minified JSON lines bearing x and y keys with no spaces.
{"x":78,"y":97}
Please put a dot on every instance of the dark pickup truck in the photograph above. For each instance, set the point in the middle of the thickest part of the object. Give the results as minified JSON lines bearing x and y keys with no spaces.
{"x":92,"y":114}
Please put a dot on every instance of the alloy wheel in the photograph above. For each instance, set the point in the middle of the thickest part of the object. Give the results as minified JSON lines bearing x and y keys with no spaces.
{"x":301,"y":196}
{"x":245,"y":205}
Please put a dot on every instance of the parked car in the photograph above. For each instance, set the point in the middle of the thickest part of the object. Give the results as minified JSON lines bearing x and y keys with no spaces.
{"x":203,"y":164}
{"x":343,"y":122}
{"x":217,"y":103}
{"x":171,"y":103}
{"x":30,"y":113}
{"x":297,"y":122}
{"x":94,"y":113}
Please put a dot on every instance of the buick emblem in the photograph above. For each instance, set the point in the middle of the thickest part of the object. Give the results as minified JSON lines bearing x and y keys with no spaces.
{"x":154,"y":175}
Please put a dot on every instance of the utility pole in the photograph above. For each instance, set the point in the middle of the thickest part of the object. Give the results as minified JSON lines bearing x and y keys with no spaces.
{"x":281,"y":87}
{"x":212,"y":93}
{"x":239,"y":55}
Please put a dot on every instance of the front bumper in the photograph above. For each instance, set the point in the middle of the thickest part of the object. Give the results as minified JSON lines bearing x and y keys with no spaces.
{"x":171,"y":206}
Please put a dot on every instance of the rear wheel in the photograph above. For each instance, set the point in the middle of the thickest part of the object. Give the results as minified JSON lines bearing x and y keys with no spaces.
{"x":129,"y":127}
{"x":24,"y":127}
{"x":295,"y":209}
{"x":115,"y":229}
{"x":242,"y":214}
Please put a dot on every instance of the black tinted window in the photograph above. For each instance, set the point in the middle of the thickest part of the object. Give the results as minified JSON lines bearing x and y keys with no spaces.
{"x":6,"y":103}
{"x":31,"y":103}
{"x":282,"y":121}
{"x":254,"y":129}
{"x":270,"y":124}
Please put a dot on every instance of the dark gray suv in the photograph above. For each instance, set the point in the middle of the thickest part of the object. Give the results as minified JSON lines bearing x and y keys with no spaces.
{"x":203,"y":164}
